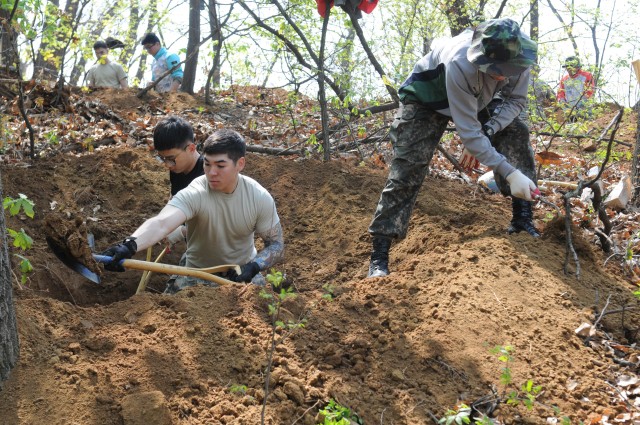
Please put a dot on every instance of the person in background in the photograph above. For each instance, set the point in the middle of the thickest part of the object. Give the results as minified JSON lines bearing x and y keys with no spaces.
{"x":478,"y":79}
{"x":106,"y":73}
{"x":163,"y":61}
{"x":174,"y":144}
{"x":576,"y":88}
{"x":224,"y":211}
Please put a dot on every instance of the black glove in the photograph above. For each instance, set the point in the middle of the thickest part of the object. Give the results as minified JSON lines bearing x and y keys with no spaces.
{"x":247,"y":272}
{"x":120,"y":251}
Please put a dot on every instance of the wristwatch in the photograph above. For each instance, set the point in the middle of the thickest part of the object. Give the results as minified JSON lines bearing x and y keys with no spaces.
{"x":488,"y":131}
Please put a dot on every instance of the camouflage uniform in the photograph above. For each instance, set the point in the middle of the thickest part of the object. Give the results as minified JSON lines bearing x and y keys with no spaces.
{"x":415,"y":133}
{"x":461,"y":78}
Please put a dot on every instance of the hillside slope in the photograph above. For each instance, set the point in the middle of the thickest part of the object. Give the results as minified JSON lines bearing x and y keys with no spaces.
{"x":395,"y":349}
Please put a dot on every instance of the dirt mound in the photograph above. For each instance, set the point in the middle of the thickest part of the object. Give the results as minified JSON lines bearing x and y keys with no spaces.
{"x":395,"y":349}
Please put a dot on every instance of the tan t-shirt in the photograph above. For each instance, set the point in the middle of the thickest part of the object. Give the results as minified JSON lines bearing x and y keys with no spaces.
{"x":221,"y":226}
{"x":106,"y":75}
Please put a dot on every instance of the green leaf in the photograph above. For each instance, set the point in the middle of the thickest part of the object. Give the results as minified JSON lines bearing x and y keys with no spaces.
{"x":15,"y":205}
{"x":20,"y":239}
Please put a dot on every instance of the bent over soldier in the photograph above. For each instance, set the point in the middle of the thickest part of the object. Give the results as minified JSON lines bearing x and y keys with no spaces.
{"x":479,"y":80}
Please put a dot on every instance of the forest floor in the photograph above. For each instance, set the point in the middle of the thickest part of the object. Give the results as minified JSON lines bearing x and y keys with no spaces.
{"x":396,"y":350}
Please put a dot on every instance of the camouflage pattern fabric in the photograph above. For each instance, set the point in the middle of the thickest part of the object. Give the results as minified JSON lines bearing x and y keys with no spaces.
{"x":415,"y":134}
{"x":498,"y":46}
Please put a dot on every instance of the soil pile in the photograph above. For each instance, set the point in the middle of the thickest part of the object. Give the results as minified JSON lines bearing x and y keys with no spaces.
{"x":397,"y":350}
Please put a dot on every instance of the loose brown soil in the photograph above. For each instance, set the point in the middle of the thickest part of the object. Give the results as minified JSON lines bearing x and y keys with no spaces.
{"x":395,"y":350}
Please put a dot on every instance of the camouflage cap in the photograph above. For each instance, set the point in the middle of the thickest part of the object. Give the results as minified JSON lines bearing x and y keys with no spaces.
{"x":498,"y":46}
{"x":572,"y":62}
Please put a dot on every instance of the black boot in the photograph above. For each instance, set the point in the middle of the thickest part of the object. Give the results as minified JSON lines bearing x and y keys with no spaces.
{"x":522,"y":218}
{"x":379,"y":265}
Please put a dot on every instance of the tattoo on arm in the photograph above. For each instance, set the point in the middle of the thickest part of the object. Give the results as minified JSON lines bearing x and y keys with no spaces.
{"x":273,"y":247}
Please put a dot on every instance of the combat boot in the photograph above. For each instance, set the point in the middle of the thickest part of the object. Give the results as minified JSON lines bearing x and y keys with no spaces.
{"x":379,"y":265}
{"x":522,"y":218}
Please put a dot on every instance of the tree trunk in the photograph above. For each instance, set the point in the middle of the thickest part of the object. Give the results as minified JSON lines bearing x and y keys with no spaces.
{"x":191,"y":66}
{"x":216,"y":31}
{"x":635,"y":168}
{"x":43,"y":67}
{"x":130,"y":41}
{"x":7,"y":50}
{"x":535,"y":23}
{"x":458,"y":15}
{"x":55,"y":34}
{"x":9,"y":345}
{"x":151,"y":23}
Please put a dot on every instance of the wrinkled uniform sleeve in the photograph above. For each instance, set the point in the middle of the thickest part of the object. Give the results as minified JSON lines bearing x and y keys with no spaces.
{"x":514,"y":96}
{"x":463,"y":106}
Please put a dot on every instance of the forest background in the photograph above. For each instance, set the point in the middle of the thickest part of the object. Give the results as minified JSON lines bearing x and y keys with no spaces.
{"x":360,"y":63}
{"x":278,"y":43}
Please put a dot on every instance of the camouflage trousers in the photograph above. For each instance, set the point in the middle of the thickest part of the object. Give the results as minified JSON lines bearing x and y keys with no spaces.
{"x":177,"y":283}
{"x":415,"y":134}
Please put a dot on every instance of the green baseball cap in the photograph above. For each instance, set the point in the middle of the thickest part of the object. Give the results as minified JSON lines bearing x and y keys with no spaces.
{"x":500,"y":47}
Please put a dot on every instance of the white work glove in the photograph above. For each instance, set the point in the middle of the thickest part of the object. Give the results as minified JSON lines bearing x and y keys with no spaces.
{"x":176,"y":236}
{"x":468,"y":162}
{"x":521,"y":185}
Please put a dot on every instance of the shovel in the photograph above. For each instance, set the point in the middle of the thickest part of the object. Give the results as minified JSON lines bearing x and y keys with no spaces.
{"x":205,"y":274}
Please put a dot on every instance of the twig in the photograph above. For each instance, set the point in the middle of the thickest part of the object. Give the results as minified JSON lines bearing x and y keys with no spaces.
{"x":61,"y":280}
{"x":569,"y":244}
{"x":273,"y":151}
{"x":603,"y":311}
{"x":382,"y":416}
{"x":623,"y":397}
{"x":570,"y":250}
{"x":434,"y":418}
{"x":497,"y":299}
{"x":620,"y":310}
{"x":15,"y":276}
{"x":305,"y":412}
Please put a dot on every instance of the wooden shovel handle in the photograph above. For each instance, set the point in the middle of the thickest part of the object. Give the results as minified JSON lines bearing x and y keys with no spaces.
{"x":171,"y":269}
{"x":219,"y":269}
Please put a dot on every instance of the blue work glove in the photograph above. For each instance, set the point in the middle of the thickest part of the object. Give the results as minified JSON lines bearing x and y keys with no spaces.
{"x":247,"y":272}
{"x":125,"y":249}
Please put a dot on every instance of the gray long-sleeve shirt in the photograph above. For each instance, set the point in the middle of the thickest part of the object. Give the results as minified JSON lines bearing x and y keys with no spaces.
{"x":469,"y":91}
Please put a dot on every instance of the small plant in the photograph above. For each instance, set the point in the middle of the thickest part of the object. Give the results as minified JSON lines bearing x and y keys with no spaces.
{"x":238,"y":389}
{"x":462,"y":415}
{"x":20,"y":238}
{"x":528,"y":391}
{"x":336,"y":414}
{"x":328,"y":292}
{"x":279,"y":295}
{"x":52,"y":137}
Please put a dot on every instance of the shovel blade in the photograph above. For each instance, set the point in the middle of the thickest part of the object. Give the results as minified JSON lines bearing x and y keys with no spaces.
{"x":71,"y":262}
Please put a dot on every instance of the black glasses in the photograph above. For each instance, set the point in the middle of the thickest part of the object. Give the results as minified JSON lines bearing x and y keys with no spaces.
{"x":148,"y":46}
{"x":170,"y":160}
